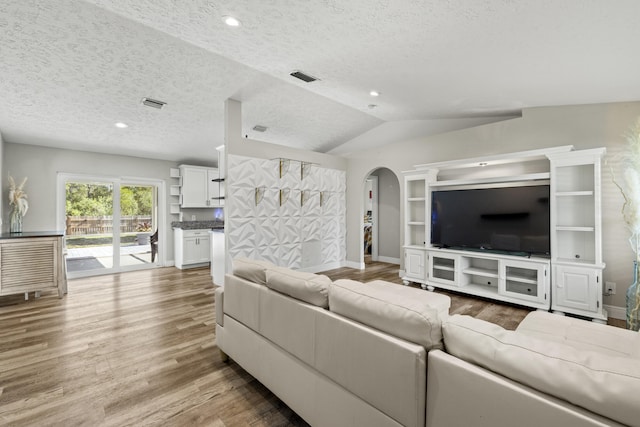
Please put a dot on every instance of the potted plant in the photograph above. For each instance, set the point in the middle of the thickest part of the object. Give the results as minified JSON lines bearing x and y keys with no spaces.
{"x":144,"y":233}
{"x":18,"y":203}
{"x":629,"y":186}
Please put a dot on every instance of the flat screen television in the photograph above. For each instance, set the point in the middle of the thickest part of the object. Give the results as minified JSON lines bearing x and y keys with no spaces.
{"x":505,"y":219}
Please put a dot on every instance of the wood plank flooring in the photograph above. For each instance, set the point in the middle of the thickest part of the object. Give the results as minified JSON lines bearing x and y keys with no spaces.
{"x":139,"y":349}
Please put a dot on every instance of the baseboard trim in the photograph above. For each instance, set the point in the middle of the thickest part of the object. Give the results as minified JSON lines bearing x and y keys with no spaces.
{"x":389,"y":260}
{"x":616,"y":312}
{"x":356,"y":265}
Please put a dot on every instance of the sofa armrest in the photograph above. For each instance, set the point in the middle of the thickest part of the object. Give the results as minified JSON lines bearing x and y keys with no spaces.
{"x":220,"y":306}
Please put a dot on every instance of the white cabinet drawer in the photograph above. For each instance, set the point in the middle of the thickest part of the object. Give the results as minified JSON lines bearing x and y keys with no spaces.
{"x":195,"y":233}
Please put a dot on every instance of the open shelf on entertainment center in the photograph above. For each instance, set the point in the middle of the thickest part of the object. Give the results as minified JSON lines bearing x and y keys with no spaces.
{"x":505,"y":277}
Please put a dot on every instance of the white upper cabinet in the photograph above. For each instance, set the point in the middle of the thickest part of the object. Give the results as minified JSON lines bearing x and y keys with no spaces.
{"x":199,"y":187}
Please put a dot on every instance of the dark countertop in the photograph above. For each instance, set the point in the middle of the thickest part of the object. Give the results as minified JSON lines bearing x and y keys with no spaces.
{"x":198,"y":225}
{"x":31,"y":234}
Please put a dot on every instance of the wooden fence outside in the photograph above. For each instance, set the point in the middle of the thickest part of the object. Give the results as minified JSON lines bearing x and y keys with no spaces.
{"x":84,"y":225}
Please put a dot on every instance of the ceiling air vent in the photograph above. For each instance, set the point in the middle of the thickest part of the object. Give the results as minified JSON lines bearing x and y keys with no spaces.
{"x":259,"y":128}
{"x":153,"y":103}
{"x":304,"y":77}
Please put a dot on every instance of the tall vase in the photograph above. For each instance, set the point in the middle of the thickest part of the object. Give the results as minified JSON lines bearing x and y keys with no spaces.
{"x":633,"y":301}
{"x":15,"y":221}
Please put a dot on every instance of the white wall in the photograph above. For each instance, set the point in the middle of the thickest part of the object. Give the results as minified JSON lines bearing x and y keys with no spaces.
{"x":586,"y":126}
{"x":42,"y":164}
{"x":388,"y":215}
{"x":368,"y":188}
{"x":279,"y":228}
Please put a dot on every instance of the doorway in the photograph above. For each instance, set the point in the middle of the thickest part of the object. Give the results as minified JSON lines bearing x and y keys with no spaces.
{"x":370,"y":225}
{"x":381,"y":217}
{"x":111,"y":224}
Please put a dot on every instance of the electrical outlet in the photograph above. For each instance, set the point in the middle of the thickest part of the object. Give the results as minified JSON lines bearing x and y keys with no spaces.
{"x":193,"y":217}
{"x":611,"y":288}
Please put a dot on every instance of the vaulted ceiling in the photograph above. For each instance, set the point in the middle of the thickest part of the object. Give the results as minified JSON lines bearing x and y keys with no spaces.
{"x":71,"y":69}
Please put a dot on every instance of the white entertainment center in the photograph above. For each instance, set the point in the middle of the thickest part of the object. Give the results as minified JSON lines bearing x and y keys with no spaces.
{"x":569,"y":280}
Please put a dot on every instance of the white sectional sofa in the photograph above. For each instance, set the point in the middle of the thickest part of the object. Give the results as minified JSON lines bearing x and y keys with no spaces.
{"x":550,"y":371}
{"x":377,"y":354}
{"x":363,"y":362}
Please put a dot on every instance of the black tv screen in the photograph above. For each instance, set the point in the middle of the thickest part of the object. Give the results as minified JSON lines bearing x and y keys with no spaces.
{"x":509,"y":219}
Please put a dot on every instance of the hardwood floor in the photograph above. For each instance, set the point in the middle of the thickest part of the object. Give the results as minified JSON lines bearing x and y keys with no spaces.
{"x":127,"y":349}
{"x":139,"y":349}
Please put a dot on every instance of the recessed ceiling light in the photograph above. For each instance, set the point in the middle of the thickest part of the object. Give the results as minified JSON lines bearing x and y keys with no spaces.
{"x":374,"y":93}
{"x":231,"y":21}
{"x":121,"y":125}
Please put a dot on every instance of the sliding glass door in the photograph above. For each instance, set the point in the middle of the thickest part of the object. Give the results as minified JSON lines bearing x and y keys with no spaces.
{"x":89,"y":226}
{"x":110,"y":224}
{"x":138,"y":225}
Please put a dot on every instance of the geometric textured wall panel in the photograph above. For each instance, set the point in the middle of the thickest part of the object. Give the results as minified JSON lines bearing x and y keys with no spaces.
{"x":288,"y":215}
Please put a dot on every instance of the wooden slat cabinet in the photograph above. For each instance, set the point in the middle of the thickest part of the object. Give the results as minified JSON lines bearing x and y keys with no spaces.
{"x":31,"y":264}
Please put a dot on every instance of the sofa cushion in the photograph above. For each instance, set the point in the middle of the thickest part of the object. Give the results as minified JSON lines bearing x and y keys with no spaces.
{"x":581,"y":334}
{"x":408,"y":313}
{"x":251,"y":269}
{"x":598,"y":382}
{"x":307,"y":287}
{"x":384,"y":370}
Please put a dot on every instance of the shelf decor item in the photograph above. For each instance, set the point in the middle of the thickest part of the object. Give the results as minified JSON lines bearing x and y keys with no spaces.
{"x":19,"y":204}
{"x":259,"y":194}
{"x":630,"y":189}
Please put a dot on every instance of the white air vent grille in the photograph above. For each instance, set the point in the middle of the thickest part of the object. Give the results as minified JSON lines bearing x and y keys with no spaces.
{"x":303,"y":76}
{"x":153,"y":103}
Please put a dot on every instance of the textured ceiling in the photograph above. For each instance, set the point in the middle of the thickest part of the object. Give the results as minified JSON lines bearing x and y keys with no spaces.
{"x":70,"y":69}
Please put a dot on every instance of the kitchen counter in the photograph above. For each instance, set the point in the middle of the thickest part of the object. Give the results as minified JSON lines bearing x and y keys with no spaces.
{"x":31,"y":234}
{"x":198,"y":225}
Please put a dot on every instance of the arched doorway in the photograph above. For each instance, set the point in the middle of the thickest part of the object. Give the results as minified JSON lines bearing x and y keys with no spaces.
{"x":381,"y":217}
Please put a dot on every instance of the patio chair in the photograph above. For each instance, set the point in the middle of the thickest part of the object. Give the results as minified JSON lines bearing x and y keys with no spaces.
{"x":154,"y":245}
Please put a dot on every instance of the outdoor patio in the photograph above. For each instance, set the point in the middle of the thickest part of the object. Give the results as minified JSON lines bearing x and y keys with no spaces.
{"x":100,"y":257}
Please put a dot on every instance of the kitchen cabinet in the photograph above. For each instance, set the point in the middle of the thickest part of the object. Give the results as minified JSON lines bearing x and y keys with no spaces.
{"x":191,"y":248}
{"x":199,"y":187}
